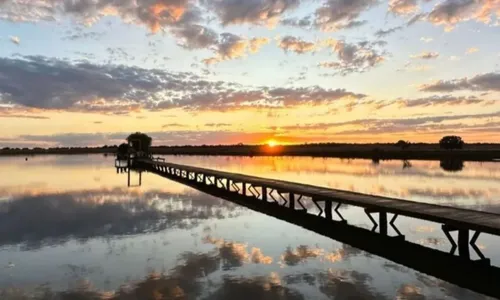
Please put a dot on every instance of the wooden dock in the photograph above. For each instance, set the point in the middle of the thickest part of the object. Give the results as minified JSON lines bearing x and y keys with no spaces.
{"x":291,"y":196}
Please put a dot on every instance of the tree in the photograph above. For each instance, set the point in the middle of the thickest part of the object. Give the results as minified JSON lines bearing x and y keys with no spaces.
{"x":140,"y":141}
{"x":122,"y":152}
{"x":403,"y":144}
{"x":451,"y":142}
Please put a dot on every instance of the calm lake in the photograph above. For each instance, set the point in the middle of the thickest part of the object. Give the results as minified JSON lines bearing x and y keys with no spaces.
{"x":70,"y":228}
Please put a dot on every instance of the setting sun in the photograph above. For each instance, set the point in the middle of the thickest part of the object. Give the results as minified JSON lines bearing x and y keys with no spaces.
{"x":272,"y":143}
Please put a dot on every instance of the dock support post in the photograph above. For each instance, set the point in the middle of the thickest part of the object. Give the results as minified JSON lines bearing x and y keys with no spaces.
{"x":463,"y":243}
{"x":264,"y":194}
{"x":291,"y":200}
{"x":383,"y":222}
{"x":244,"y":189}
{"x":328,"y":209}
{"x":128,"y":177}
{"x":140,"y":178}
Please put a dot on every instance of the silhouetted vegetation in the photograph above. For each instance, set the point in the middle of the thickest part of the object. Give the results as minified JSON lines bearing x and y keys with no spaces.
{"x":452,"y":165}
{"x":123,"y":151}
{"x":140,"y":141}
{"x":403,"y":144}
{"x":451,"y":142}
{"x":381,"y":151}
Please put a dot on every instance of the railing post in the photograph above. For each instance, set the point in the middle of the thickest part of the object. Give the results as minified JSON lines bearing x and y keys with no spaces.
{"x":291,"y":201}
{"x":244,"y":188}
{"x":264,"y":194}
{"x":383,"y":222}
{"x":463,"y":243}
{"x":328,"y":209}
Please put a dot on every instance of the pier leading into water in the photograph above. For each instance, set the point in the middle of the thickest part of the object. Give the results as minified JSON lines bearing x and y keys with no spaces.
{"x":287,"y":201}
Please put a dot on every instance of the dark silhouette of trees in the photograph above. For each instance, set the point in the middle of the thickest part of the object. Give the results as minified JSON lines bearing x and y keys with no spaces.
{"x":452,"y":165}
{"x":403,"y":144}
{"x":451,"y":142}
{"x":122,"y":151}
{"x":140,"y":141}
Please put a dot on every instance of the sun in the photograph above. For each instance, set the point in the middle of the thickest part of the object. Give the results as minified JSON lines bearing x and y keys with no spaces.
{"x":272,"y":143}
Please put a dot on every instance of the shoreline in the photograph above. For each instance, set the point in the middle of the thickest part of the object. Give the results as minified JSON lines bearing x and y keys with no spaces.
{"x":477,"y":152}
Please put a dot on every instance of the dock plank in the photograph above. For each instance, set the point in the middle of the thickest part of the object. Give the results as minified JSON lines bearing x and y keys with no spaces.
{"x":457,"y":217}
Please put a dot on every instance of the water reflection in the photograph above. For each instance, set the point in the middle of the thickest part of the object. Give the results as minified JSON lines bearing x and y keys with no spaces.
{"x":70,"y":229}
{"x":452,"y":165}
{"x":45,"y":220}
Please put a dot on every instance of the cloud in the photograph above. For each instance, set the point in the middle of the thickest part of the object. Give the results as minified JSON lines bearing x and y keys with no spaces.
{"x":415,"y":68}
{"x":482,"y":82}
{"x":447,"y":100}
{"x":297,"y":45}
{"x":255,"y":12}
{"x":339,"y":14}
{"x":472,"y":50}
{"x":426,"y":55}
{"x":304,"y":23}
{"x":416,"y":18}
{"x":218,"y":124}
{"x":16,"y":40}
{"x":256,"y":43}
{"x":194,"y":36}
{"x":56,"y":84}
{"x":401,"y":125}
{"x":111,"y":89}
{"x":451,"y":12}
{"x":94,"y":35}
{"x":173,"y":125}
{"x":383,"y":33}
{"x":155,"y":14}
{"x":403,"y":7}
{"x":426,"y":39}
{"x":231,"y":46}
{"x":354,"y":58}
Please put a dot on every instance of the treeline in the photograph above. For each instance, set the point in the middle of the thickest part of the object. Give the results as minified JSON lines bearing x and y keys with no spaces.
{"x":58,"y":150}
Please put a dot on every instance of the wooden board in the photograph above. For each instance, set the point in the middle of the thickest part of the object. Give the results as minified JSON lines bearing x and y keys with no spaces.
{"x":452,"y":216}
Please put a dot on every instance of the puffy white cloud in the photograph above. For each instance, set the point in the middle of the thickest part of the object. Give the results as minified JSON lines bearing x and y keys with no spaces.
{"x":297,"y":45}
{"x":403,"y":7}
{"x":16,"y":40}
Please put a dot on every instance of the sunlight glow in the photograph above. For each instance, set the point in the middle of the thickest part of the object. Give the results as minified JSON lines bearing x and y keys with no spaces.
{"x":272,"y":143}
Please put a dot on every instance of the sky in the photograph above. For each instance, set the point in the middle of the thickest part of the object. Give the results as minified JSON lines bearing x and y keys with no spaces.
{"x":192,"y":72}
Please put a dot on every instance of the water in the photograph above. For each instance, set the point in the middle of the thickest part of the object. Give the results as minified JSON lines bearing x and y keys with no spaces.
{"x":70,"y":227}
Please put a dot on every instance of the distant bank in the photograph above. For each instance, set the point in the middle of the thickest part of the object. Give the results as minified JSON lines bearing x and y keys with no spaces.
{"x":470,"y":152}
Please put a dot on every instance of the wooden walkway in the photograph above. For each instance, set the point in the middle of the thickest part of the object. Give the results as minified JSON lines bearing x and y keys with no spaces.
{"x":292,"y":194}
